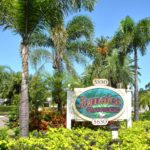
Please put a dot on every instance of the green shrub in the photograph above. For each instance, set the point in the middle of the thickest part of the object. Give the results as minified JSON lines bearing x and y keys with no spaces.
{"x":145,"y":116}
{"x":13,"y":117}
{"x":63,"y":139}
{"x":135,"y":138}
{"x":6,"y":133}
{"x":7,"y":108}
{"x":3,"y":134}
{"x":3,"y":145}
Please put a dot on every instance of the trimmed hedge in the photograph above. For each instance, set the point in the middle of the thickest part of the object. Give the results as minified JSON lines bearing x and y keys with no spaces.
{"x":135,"y":138}
{"x":61,"y":139}
{"x":145,"y":115}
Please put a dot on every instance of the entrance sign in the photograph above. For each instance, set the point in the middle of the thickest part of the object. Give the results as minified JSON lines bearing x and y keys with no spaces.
{"x":99,"y":103}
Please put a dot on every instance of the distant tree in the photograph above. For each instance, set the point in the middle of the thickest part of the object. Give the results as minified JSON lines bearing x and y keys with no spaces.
{"x":98,"y":55}
{"x":5,"y":71}
{"x":144,"y":98}
{"x":102,"y":45}
{"x":147,"y":86}
{"x":12,"y":88}
{"x":110,"y":68}
{"x":5,"y":75}
{"x":67,"y":46}
{"x":133,"y":37}
{"x":10,"y":85}
{"x":38,"y":92}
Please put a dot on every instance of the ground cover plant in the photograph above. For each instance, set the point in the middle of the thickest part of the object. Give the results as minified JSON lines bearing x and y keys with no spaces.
{"x":51,"y":134}
{"x":135,"y":138}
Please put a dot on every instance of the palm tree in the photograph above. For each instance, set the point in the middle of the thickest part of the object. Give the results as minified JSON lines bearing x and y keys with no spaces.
{"x":103,"y":45}
{"x":4,"y":71}
{"x":117,"y":73}
{"x":144,"y":98}
{"x":5,"y":78}
{"x":100,"y":51}
{"x":23,"y":17}
{"x":67,"y":45}
{"x":133,"y":37}
{"x":10,"y":85}
{"x":110,"y":68}
{"x":147,"y":86}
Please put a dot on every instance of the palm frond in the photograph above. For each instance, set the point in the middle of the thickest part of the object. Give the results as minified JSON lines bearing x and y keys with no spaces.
{"x":142,"y":34}
{"x":69,"y":66}
{"x":75,"y":56}
{"x":80,"y":27}
{"x":39,"y":56}
{"x":21,"y":16}
{"x":76,"y":5}
{"x":84,"y":47}
{"x":5,"y":69}
{"x":40,"y":40}
{"x":26,"y":16}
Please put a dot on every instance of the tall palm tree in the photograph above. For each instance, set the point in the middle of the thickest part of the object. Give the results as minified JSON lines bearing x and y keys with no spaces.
{"x":133,"y":37}
{"x":23,"y":17}
{"x":67,"y":45}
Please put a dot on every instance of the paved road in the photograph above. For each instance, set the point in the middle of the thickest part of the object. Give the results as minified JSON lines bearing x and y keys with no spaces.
{"x":3,"y":121}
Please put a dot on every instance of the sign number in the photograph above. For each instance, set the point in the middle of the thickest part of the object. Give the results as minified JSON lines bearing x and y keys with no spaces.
{"x":101,"y":121}
{"x":100,"y":82}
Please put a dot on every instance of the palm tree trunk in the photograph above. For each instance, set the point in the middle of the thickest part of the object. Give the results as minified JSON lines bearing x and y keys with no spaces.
{"x":60,"y":99}
{"x":60,"y":105}
{"x":58,"y":84}
{"x":24,"y":102}
{"x":57,"y":92}
{"x":136,"y":102}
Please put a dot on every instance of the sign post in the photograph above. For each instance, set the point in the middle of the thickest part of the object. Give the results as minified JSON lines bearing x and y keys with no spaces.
{"x":129,"y":110}
{"x":69,"y":108}
{"x":115,"y":134}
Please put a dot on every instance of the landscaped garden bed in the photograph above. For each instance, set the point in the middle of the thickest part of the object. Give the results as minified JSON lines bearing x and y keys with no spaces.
{"x":135,"y":138}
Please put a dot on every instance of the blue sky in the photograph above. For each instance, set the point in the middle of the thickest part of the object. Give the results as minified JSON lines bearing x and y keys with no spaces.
{"x":106,"y":18}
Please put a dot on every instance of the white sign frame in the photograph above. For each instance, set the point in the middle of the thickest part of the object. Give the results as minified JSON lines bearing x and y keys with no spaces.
{"x":124,"y":115}
{"x":78,"y":91}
